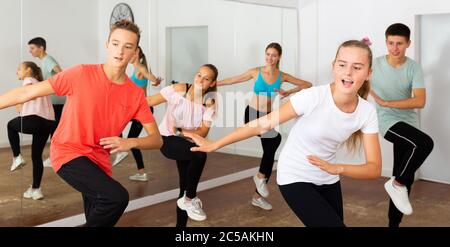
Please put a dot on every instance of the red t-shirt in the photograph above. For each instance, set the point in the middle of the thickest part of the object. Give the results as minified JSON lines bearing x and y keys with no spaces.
{"x":95,"y":108}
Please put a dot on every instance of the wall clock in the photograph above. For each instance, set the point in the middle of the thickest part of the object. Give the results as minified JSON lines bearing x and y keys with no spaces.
{"x":121,"y":11}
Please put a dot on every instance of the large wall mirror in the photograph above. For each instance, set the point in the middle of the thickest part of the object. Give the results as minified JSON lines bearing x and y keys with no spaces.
{"x":231,"y":35}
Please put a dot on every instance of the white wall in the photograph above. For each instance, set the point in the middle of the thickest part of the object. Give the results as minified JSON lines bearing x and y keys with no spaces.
{"x":10,"y":48}
{"x":435,"y":59}
{"x":70,"y":40}
{"x":185,"y":51}
{"x":274,"y":3}
{"x":324,"y":24}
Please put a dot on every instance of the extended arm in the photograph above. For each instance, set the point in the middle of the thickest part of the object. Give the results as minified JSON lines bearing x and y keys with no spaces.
{"x":25,"y":93}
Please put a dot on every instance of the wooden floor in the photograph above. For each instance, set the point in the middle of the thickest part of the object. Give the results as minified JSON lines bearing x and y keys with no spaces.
{"x":62,"y":201}
{"x":365,"y":204}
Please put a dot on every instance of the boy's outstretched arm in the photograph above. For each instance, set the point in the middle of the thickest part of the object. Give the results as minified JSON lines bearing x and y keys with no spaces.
{"x":25,"y":93}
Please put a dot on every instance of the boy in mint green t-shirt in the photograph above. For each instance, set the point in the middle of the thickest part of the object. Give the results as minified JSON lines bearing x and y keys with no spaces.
{"x":398,"y":89}
{"x":37,"y":47}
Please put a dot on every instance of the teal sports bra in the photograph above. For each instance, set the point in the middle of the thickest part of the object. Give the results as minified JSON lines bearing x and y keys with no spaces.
{"x":261,"y":87}
{"x":139,"y":82}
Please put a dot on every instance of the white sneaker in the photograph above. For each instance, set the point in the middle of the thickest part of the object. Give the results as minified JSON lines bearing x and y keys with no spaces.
{"x":261,"y":186}
{"x":262,"y":203}
{"x":17,"y":163}
{"x":193,"y":208}
{"x":47,"y":163}
{"x":35,"y":194}
{"x":119,"y":157}
{"x":399,"y":196}
{"x":139,"y":177}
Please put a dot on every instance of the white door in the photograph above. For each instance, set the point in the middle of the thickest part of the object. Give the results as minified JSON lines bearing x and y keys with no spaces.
{"x":187,"y":51}
{"x":435,"y":118}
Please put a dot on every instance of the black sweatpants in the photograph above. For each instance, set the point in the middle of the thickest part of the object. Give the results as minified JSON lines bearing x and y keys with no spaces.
{"x":104,"y":198}
{"x":411,"y":148}
{"x":190,"y":167}
{"x":40,"y":128}
{"x":270,"y":142}
{"x":314,"y":205}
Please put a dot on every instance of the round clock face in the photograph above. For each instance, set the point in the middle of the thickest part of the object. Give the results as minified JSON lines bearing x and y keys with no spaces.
{"x":121,"y":11}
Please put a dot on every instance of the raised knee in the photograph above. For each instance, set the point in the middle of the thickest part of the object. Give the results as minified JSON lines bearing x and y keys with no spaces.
{"x":10,"y":125}
{"x":427,"y":145}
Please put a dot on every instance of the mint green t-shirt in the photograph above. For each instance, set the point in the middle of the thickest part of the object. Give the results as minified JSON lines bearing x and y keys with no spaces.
{"x":396,"y":84}
{"x":48,"y":63}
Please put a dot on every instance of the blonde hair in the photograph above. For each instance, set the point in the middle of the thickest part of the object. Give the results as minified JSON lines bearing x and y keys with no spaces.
{"x":354,"y":141}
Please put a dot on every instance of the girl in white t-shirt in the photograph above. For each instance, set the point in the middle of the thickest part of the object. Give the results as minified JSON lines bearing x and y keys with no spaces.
{"x":326,"y":116}
{"x":36,"y":118}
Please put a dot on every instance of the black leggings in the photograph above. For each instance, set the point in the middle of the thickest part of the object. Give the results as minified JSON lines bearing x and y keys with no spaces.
{"x":314,"y":205}
{"x":58,"y":112}
{"x":104,"y":198}
{"x":40,"y":128}
{"x":270,"y":142}
{"x":190,"y":167}
{"x":135,"y":131}
{"x":411,"y":148}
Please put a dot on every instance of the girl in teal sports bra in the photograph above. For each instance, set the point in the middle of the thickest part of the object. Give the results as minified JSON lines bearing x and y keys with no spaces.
{"x":268,"y":80}
{"x":261,"y":87}
{"x":141,"y":75}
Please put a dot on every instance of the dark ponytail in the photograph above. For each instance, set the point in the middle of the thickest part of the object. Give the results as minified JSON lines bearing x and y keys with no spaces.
{"x":36,"y":71}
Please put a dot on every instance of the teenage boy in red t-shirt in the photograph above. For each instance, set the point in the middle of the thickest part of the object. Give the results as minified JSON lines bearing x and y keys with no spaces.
{"x":101,"y":100}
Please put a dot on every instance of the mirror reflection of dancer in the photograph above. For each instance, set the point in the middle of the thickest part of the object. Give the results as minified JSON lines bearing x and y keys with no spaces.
{"x":326,"y":117}
{"x":141,"y":75}
{"x":36,"y":118}
{"x":101,"y":100}
{"x":190,"y":109}
{"x":50,"y":67}
{"x":268,"y":81}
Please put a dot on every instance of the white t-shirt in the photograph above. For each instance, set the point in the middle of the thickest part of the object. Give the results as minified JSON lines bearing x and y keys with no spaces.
{"x":319,"y":130}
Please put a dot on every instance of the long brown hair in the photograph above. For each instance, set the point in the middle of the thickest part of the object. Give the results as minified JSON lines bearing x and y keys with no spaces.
{"x":35,"y":70}
{"x":212,"y":91}
{"x":354,"y":141}
{"x":277,"y":47}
